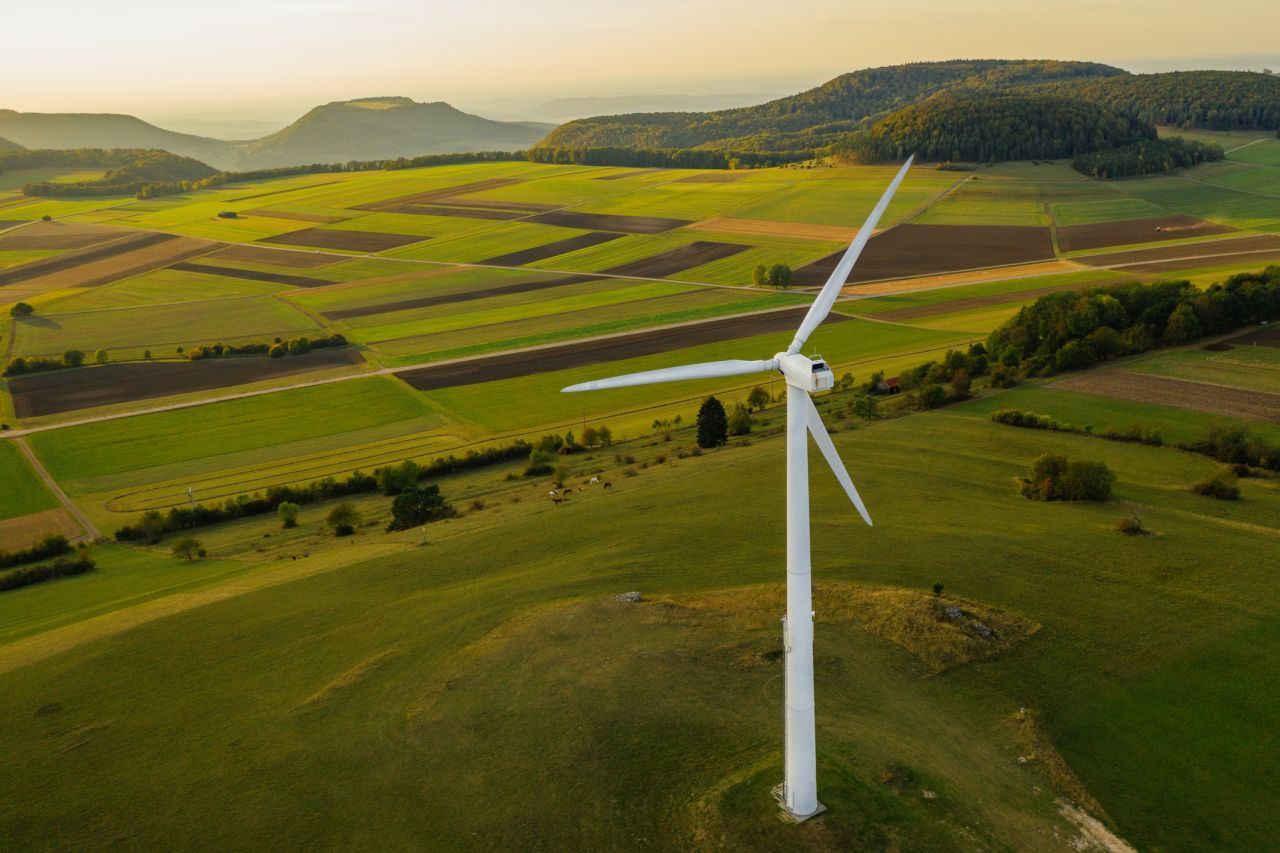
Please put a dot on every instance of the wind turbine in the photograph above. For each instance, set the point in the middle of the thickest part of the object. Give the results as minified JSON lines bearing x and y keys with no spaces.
{"x":803,"y":375}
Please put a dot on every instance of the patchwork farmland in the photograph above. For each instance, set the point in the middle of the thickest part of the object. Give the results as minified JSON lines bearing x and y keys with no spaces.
{"x":454,"y":302}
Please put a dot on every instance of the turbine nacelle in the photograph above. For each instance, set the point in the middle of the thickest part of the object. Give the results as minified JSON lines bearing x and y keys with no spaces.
{"x":807,"y":374}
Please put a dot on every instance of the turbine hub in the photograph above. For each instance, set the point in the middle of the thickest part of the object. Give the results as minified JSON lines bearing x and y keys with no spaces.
{"x":807,"y":374}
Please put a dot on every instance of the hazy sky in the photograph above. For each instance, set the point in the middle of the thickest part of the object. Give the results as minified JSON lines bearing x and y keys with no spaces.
{"x":268,"y":57}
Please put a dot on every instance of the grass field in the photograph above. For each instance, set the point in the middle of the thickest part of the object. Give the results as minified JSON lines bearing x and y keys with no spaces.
{"x":674,"y":713}
{"x":161,"y":327}
{"x":230,"y":430}
{"x":23,"y":492}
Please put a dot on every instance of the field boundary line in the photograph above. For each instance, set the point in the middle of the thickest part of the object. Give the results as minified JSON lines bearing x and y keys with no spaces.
{"x":90,"y":531}
{"x":1247,"y":144}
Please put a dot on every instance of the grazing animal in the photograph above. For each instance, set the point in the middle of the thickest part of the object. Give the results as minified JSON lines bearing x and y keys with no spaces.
{"x":594,"y":481}
{"x":608,"y":485}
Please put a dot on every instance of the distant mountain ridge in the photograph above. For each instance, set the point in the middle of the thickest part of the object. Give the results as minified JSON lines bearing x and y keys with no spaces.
{"x":820,"y":116}
{"x":360,"y":129}
{"x":106,"y":130}
{"x":385,"y":128}
{"x":6,"y":145}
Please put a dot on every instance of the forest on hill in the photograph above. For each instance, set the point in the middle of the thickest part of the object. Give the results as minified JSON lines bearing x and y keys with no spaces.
{"x":974,"y":126}
{"x":817,"y":118}
{"x":126,"y":170}
{"x":1214,"y":100}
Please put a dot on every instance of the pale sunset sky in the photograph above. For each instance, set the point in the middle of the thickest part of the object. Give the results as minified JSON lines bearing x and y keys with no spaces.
{"x":274,"y":56}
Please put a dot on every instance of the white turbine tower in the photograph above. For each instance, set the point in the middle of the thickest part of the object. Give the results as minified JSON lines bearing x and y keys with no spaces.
{"x":803,"y":376}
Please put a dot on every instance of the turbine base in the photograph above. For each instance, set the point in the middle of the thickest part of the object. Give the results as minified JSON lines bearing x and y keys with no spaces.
{"x":780,"y":794}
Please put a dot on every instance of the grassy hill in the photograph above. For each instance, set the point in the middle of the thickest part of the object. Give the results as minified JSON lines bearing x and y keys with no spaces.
{"x":375,"y":128}
{"x":817,"y":117}
{"x":108,"y":130}
{"x":6,"y":145}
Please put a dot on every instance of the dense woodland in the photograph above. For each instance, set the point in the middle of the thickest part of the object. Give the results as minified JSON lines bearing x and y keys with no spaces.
{"x":1217,"y":100}
{"x":989,"y":126}
{"x":1148,"y":157}
{"x":814,"y":119}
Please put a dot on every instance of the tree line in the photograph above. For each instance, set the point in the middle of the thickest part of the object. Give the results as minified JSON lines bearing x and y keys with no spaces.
{"x":391,"y":479}
{"x":1073,"y":330}
{"x":1216,"y":100}
{"x":128,"y":170}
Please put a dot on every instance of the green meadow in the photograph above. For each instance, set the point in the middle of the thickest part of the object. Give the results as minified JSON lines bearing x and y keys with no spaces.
{"x":23,"y":491}
{"x":505,"y":655}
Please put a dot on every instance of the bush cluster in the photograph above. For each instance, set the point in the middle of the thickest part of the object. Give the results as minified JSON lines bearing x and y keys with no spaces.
{"x":1054,"y":478}
{"x":62,"y":567}
{"x":1222,"y":485}
{"x":297,"y":346}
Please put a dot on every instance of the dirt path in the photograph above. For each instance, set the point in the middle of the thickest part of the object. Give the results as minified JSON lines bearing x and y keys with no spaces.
{"x":34,"y":649}
{"x":90,"y":531}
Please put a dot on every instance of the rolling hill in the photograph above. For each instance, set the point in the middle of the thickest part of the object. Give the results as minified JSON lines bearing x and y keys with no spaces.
{"x":108,"y":130}
{"x":362,"y":129}
{"x":6,"y":145}
{"x":376,"y":128}
{"x":818,"y":117}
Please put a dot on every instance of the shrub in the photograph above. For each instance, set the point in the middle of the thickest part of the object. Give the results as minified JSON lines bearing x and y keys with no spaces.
{"x":188,"y":548}
{"x":539,"y":464}
{"x":276,"y":351}
{"x":1131,"y":525}
{"x":73,"y":358}
{"x":21,"y":309}
{"x":931,"y":397}
{"x":1054,"y":478}
{"x":417,"y":505}
{"x":343,"y":519}
{"x":1222,"y":485}
{"x":288,"y":512}
{"x":740,"y":420}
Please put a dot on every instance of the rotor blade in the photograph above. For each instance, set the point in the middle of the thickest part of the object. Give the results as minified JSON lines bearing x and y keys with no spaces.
{"x":823,"y":439}
{"x":706,"y":370}
{"x":821,"y":306}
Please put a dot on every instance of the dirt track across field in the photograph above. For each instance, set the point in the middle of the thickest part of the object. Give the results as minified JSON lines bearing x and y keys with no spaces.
{"x":1209,"y":250}
{"x":604,"y":350}
{"x":338,"y":238}
{"x":278,"y":257}
{"x":550,"y":250}
{"x":608,"y":222}
{"x":678,"y":259}
{"x":125,"y":382}
{"x":451,"y":298}
{"x":1100,"y":235}
{"x":1179,"y":393}
{"x":252,"y":275}
{"x":916,"y":250}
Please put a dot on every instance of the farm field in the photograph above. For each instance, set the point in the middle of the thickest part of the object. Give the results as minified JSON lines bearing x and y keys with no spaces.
{"x":470,"y":295}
